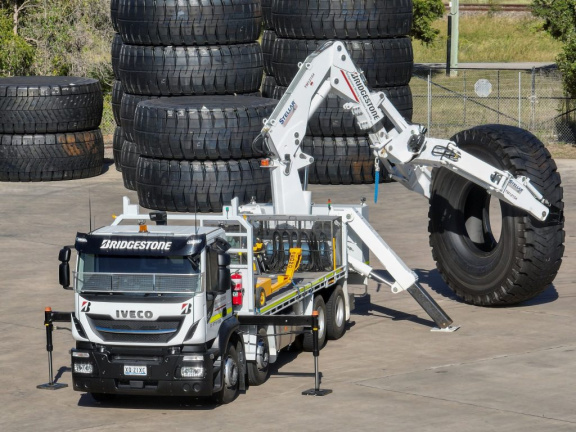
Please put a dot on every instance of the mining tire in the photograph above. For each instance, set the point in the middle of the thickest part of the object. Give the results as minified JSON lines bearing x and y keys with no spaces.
{"x":267,"y":14}
{"x":128,"y":162}
{"x":46,"y":157}
{"x":481,"y":266}
{"x":117,"y":143}
{"x":115,"y":49}
{"x":268,"y":38}
{"x":128,"y":112}
{"x":189,"y":22}
{"x":191,"y":70}
{"x":203,"y":186}
{"x":50,"y":104}
{"x":331,"y":119}
{"x":117,"y":95}
{"x":114,"y":14}
{"x":307,"y":340}
{"x":335,"y":19}
{"x":341,"y":160}
{"x":201,"y":127}
{"x":268,"y":87}
{"x":259,"y":370}
{"x":385,"y":62}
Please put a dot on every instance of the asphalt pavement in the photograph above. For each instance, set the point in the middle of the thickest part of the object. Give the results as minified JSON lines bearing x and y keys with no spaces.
{"x":505,"y":369}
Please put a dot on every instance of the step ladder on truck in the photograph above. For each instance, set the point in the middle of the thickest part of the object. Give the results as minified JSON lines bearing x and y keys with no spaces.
{"x":173,"y":308}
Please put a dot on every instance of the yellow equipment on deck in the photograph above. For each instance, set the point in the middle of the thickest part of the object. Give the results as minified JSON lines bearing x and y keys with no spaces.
{"x":265,"y":287}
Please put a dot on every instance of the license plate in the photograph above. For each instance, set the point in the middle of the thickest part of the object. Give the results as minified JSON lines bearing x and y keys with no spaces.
{"x":135,"y":370}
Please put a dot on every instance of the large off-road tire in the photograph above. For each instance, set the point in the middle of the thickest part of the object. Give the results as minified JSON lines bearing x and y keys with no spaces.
{"x":117,"y":95}
{"x":340,"y":160}
{"x":201,"y":127}
{"x":480,"y":265}
{"x":191,"y":71}
{"x":114,"y":14}
{"x":115,"y":49}
{"x":268,"y":38}
{"x":61,"y":156}
{"x":385,"y":62}
{"x":189,"y":22}
{"x":117,"y":143}
{"x":50,"y":104}
{"x":259,"y":370}
{"x":336,"y":314}
{"x":128,"y":111}
{"x":128,"y":162}
{"x":268,"y":87}
{"x":189,"y":186}
{"x":331,"y":119}
{"x":307,"y":340}
{"x":230,"y":375}
{"x":335,"y":19}
{"x":267,"y":14}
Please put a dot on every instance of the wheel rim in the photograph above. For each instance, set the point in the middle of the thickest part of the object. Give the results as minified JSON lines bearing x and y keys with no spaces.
{"x":230,"y":372}
{"x":339,"y":316}
{"x":262,"y":300}
{"x":321,"y":323}
{"x":262,"y":355}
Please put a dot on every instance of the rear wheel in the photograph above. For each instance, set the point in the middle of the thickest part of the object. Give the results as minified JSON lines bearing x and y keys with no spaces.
{"x":336,"y":314}
{"x":307,"y":341}
{"x":481,"y":263}
{"x":259,"y":370}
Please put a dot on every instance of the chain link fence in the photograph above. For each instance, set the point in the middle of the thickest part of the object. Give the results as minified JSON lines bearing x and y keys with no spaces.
{"x":530,"y":99}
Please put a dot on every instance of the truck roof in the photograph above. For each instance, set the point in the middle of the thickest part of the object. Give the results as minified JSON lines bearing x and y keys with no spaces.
{"x":165,"y":230}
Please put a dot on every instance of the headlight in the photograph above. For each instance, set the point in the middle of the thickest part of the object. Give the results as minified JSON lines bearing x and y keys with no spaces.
{"x":192,"y":371}
{"x":84,"y":368}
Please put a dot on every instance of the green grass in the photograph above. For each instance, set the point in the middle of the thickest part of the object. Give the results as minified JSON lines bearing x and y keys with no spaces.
{"x":493,"y":38}
{"x":497,"y":2}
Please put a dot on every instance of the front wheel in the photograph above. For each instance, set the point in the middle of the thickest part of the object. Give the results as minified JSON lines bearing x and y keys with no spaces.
{"x":230,"y":376}
{"x":487,"y":251}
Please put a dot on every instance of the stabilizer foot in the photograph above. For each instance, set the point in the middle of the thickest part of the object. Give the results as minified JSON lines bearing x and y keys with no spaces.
{"x":53,"y":386}
{"x":316,"y":392}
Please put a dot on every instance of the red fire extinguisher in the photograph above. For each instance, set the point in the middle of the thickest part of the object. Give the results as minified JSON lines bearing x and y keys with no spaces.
{"x":237,"y":291}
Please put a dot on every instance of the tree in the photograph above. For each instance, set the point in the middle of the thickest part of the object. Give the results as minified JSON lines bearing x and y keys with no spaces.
{"x":425,"y":13}
{"x":560,"y":21}
{"x":16,"y":55}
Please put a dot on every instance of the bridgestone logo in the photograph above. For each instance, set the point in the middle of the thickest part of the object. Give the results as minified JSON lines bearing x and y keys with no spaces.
{"x":135,"y":245}
{"x":365,"y":95}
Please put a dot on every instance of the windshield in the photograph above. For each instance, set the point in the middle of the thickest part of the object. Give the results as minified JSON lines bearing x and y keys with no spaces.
{"x":127,"y":273}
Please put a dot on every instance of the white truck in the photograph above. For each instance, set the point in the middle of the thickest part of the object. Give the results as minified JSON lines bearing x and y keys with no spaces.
{"x":170,"y":308}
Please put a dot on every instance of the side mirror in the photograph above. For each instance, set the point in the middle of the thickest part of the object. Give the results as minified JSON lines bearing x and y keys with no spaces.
{"x":64,"y":268}
{"x":224,"y":272}
{"x":64,"y":275}
{"x":64,"y":254}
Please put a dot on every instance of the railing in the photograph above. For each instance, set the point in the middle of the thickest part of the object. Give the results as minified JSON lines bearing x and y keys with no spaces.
{"x":136,"y":283}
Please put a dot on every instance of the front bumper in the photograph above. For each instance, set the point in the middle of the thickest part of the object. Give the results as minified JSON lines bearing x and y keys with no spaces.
{"x":162,"y":376}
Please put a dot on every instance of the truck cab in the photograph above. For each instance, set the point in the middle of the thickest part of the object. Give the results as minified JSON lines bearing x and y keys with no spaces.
{"x":153,"y":312}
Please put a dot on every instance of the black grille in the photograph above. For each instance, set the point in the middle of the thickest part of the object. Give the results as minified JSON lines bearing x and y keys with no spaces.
{"x":159,"y":331}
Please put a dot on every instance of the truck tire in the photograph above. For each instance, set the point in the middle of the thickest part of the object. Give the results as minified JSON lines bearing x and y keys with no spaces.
{"x":231,"y":376}
{"x":203,"y":186}
{"x":46,"y":157}
{"x":191,"y":71}
{"x":268,"y":38}
{"x":114,"y":14}
{"x":385,"y":62}
{"x":335,"y":19}
{"x":116,"y":47}
{"x":117,"y":94}
{"x":128,"y":162}
{"x":478,"y":266}
{"x":189,"y":22}
{"x":341,"y":160}
{"x":307,"y":340}
{"x":331,"y":119}
{"x":117,"y":143}
{"x":51,"y":104}
{"x":336,"y":314}
{"x":259,"y":370}
{"x":201,"y":127}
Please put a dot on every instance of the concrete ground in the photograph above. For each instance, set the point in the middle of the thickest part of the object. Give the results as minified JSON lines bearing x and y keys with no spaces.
{"x":506,"y":369}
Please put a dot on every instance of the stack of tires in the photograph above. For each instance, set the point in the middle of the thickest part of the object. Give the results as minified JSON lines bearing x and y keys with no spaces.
{"x":49,"y":128}
{"x":268,"y":38}
{"x":185,"y":68}
{"x":374,"y":32}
